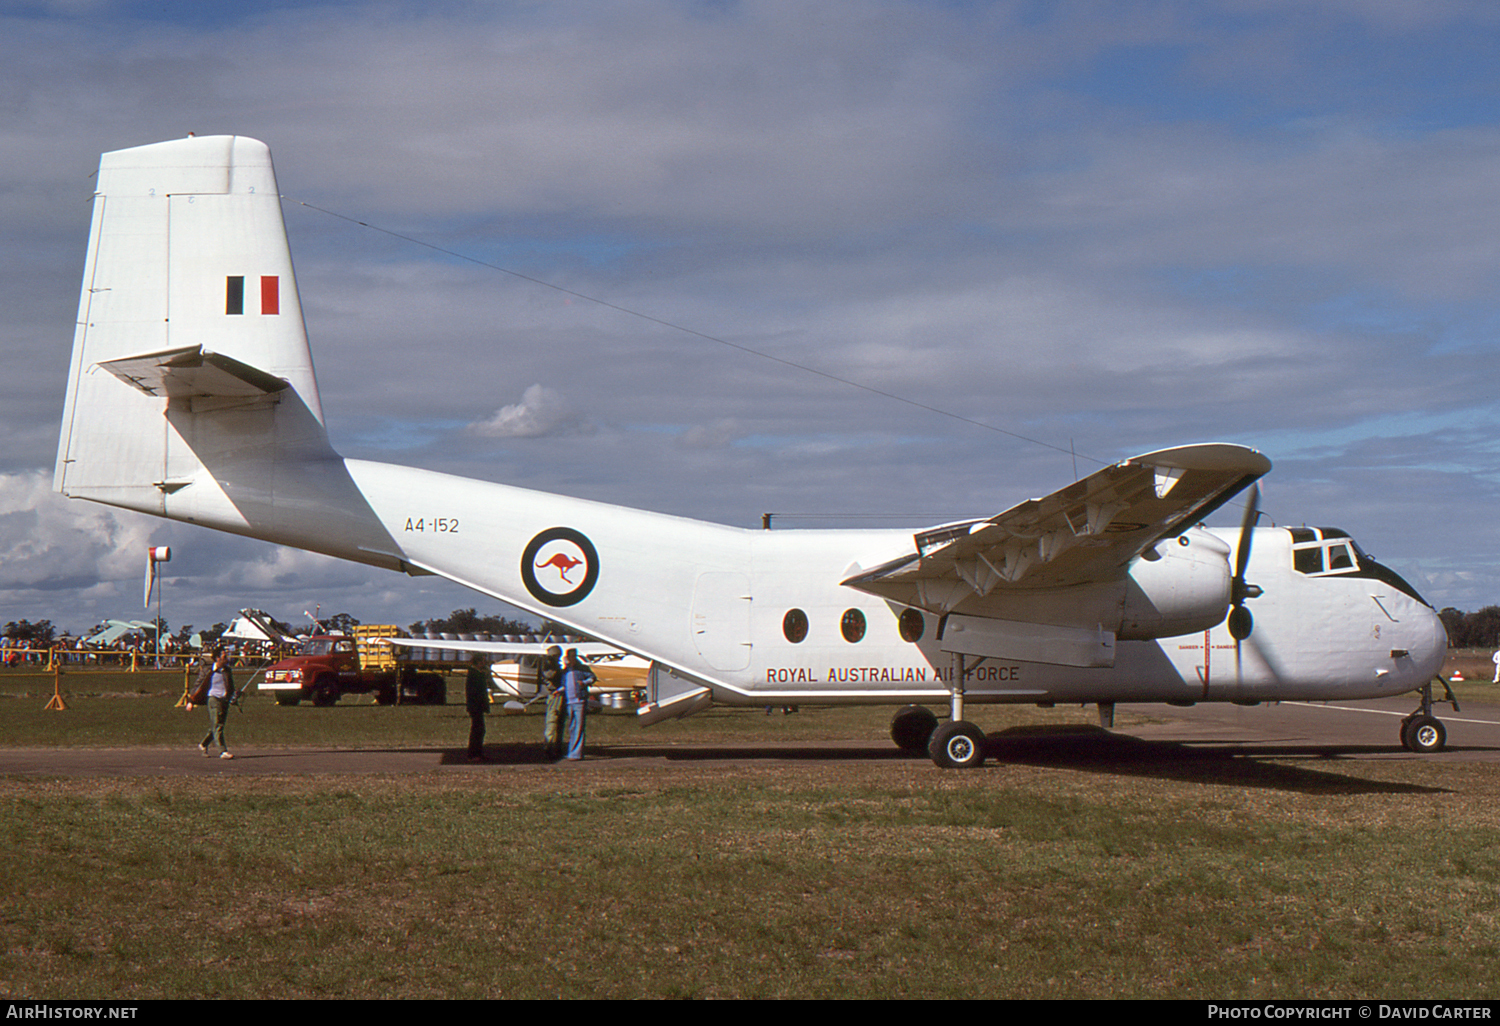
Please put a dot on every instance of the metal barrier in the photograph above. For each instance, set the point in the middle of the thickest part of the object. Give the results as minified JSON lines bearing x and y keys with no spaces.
{"x":13,"y":656}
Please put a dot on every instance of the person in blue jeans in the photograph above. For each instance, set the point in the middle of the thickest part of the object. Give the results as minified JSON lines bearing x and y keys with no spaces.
{"x":576,"y":681}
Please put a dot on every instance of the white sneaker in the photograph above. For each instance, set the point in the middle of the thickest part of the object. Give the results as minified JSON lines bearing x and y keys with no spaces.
{"x":203,"y":747}
{"x":225,"y":755}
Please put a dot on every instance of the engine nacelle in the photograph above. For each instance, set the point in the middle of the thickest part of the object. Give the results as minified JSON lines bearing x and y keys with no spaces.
{"x":1181,"y":586}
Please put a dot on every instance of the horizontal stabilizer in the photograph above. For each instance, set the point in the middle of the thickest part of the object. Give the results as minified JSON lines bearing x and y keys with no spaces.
{"x":192,"y":373}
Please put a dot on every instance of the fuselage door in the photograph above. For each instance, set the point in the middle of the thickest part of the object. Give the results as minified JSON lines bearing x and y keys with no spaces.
{"x":721,"y":619}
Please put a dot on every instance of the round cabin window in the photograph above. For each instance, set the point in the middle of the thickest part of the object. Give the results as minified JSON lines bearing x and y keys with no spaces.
{"x":852,"y":625}
{"x":911,"y":624}
{"x":794,"y":626}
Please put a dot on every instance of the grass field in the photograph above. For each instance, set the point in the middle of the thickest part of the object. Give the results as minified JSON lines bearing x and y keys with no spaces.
{"x":1249,"y":878}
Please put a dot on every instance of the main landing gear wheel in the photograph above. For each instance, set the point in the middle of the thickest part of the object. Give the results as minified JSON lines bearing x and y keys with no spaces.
{"x":912,"y":727}
{"x":957,"y":745}
{"x":1423,"y":734}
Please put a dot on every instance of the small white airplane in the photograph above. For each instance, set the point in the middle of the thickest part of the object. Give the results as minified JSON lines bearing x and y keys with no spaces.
{"x":516,"y":669}
{"x":113,"y":630}
{"x":519,"y":677}
{"x":191,"y":395}
{"x":256,"y":625}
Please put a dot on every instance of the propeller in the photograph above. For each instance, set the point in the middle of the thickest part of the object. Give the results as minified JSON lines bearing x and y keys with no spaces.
{"x":1267,"y":659}
{"x":1241,"y":623}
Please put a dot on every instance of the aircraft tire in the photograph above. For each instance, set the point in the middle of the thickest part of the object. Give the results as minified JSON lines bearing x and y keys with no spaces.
{"x":912,"y":727}
{"x":957,"y":744}
{"x":1423,"y":735}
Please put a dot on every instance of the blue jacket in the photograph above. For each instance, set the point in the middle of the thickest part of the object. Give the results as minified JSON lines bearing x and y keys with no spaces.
{"x":576,"y":683}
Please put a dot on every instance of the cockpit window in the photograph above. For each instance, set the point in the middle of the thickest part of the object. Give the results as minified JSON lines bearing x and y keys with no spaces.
{"x":1329,"y":552}
{"x":1340,"y":558}
{"x":1322,"y":550}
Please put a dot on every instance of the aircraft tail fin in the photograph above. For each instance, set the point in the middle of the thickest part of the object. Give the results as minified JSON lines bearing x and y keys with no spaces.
{"x":191,"y":375}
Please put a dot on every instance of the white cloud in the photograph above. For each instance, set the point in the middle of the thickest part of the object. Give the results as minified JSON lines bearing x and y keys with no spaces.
{"x":541,"y":412}
{"x":48,"y":542}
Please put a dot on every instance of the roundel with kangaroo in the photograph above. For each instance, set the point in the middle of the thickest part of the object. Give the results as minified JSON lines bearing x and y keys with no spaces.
{"x":560,"y":566}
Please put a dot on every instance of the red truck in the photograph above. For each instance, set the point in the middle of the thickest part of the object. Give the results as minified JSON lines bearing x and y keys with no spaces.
{"x":331,"y":665}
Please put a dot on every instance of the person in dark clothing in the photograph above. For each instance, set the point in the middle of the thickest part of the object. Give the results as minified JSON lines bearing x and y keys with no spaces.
{"x":477,"y":701}
{"x":549,"y":679}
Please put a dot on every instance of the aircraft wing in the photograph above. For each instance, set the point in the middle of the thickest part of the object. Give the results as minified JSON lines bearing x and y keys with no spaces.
{"x":116,"y":630}
{"x":1087,"y":532}
{"x":255,"y":625}
{"x":586,"y":649}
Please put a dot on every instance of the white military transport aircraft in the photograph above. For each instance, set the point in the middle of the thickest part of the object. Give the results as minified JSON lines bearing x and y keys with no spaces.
{"x":191,"y":395}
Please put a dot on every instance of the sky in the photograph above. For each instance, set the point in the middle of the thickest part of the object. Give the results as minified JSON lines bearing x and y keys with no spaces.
{"x":873,"y":263}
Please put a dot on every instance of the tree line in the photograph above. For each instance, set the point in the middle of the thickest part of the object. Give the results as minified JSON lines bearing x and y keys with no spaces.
{"x":1480,"y":629}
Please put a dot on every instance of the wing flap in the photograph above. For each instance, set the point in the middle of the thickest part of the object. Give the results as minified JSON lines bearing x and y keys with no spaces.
{"x":1085,"y":533}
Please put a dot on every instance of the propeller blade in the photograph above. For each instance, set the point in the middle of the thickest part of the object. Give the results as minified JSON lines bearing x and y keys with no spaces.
{"x":1261,"y":654}
{"x":1241,"y":623}
{"x":1259,"y":648}
{"x":1247,"y":532}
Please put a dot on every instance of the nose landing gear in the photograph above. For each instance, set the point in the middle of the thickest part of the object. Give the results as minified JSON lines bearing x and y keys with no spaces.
{"x":1422,"y":732}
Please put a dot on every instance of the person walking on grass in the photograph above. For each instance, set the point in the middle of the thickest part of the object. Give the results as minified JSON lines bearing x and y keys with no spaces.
{"x":214,"y":688}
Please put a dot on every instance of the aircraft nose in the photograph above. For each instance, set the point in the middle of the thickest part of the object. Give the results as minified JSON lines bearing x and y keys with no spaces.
{"x":1429,"y":644}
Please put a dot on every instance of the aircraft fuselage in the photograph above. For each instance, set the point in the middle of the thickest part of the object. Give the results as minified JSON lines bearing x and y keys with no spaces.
{"x":713,"y":601}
